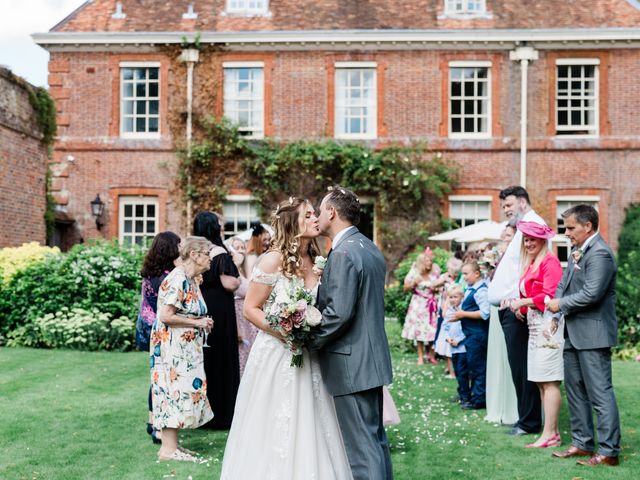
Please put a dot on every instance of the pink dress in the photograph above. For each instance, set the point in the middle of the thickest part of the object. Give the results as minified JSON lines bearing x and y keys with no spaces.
{"x":246,"y":330}
{"x":421,"y":322}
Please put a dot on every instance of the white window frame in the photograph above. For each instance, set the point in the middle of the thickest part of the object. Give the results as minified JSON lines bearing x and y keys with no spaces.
{"x":248,"y":8}
{"x":342,"y":104}
{"x":564,"y":131}
{"x":256,"y":97}
{"x":134,"y":99}
{"x":235,"y":200}
{"x":123,"y":201}
{"x":462,"y":98}
{"x":560,"y":240}
{"x":462,"y":7}
{"x":470,"y":199}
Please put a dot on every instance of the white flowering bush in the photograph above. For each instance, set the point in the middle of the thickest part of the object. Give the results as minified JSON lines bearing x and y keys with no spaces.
{"x":75,"y":328}
{"x":14,"y":259}
{"x":102,"y":277}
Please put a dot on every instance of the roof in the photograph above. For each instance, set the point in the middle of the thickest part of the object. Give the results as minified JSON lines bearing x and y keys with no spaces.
{"x":310,"y":15}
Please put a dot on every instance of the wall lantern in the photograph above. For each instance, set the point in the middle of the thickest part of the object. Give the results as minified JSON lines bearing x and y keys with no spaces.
{"x":97,"y":209}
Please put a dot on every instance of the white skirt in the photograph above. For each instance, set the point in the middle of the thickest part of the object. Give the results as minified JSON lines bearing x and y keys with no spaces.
{"x":546,"y":344}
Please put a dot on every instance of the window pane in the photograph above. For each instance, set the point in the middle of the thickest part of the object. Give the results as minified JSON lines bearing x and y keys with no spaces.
{"x":153,"y":73}
{"x":468,"y":124}
{"x":456,"y":125}
{"x":153,"y":89}
{"x":141,"y":90}
{"x":455,"y":107}
{"x":128,"y":226}
{"x":153,"y":124}
{"x":127,"y":91}
{"x":128,"y":210}
{"x":468,"y":89}
{"x":139,"y":226}
{"x":140,"y":125}
{"x":139,"y":210}
{"x":151,"y":210}
{"x":139,"y":73}
{"x":127,"y":125}
{"x":127,"y":74}
{"x":151,"y":226}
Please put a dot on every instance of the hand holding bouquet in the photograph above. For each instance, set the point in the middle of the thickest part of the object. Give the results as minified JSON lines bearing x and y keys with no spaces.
{"x":292,"y":315}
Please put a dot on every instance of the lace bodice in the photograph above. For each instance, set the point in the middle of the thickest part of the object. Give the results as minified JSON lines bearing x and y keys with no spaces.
{"x":280,"y":283}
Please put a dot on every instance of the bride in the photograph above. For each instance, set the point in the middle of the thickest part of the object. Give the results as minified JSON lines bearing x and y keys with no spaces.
{"x":285,"y":425}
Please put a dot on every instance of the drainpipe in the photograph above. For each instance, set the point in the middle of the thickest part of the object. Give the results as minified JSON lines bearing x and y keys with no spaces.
{"x":524,"y":55}
{"x":189,"y":56}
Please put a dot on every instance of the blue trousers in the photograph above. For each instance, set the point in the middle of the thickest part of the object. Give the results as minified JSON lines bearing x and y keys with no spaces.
{"x":475,"y":342}
{"x":462,"y":375}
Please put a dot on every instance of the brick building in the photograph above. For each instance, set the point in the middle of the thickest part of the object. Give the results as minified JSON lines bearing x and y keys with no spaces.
{"x":449,"y":72}
{"x":23,"y":165}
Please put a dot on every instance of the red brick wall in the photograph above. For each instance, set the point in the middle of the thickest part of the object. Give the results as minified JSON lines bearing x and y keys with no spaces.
{"x":22,"y":168}
{"x":413,"y":99}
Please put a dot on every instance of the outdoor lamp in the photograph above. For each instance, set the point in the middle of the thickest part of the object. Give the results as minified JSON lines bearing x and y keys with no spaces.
{"x":97,"y":208}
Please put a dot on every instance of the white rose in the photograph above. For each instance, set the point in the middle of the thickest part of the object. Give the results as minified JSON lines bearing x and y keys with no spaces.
{"x":313,"y":316}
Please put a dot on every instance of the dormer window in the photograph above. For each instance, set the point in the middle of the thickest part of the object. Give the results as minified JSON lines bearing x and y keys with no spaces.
{"x":465,"y":7}
{"x":247,"y":7}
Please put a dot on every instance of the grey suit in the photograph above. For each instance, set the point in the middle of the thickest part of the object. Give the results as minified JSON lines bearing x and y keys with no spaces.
{"x":353,"y":350}
{"x":587,"y":300}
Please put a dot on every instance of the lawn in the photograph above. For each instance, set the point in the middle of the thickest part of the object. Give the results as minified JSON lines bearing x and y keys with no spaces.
{"x":79,"y":415}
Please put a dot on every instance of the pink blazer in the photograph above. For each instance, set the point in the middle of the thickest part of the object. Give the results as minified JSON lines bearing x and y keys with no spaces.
{"x":542,"y":282}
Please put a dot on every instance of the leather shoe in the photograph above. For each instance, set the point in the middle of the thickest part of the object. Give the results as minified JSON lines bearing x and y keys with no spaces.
{"x":599,"y":460}
{"x":517,"y":432}
{"x":572,"y":451}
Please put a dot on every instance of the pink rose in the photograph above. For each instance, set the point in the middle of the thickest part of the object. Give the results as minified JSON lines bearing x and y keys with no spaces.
{"x":286,"y":325}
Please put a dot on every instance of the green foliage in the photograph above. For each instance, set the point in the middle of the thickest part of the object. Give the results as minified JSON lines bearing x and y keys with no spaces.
{"x":396,"y":300}
{"x":629,"y":239}
{"x":45,"y":109}
{"x":77,"y":329}
{"x":101,"y":276}
{"x":195,"y":43}
{"x":628,"y":300}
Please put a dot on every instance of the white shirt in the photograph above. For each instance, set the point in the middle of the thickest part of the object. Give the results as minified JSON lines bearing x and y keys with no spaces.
{"x":505,"y":281}
{"x":340,"y":235}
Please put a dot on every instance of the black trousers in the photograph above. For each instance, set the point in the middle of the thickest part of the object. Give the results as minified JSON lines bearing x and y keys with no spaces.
{"x":516,"y":335}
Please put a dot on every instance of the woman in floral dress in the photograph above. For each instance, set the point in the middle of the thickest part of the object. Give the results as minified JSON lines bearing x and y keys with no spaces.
{"x":421,"y":321}
{"x":179,"y":385}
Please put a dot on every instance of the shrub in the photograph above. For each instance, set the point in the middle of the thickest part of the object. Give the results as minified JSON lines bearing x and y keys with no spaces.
{"x":627,"y":301}
{"x":77,"y":329}
{"x":629,"y":239}
{"x":396,"y":300}
{"x":101,"y":276}
{"x":14,"y":259}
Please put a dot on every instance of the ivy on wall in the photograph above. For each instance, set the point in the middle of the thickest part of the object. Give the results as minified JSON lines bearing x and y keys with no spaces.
{"x":406,"y":182}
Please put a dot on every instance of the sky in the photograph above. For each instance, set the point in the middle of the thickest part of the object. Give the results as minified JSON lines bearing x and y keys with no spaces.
{"x":18,"y":20}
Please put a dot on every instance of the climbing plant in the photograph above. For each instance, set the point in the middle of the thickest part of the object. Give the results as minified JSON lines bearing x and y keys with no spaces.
{"x":405,"y":181}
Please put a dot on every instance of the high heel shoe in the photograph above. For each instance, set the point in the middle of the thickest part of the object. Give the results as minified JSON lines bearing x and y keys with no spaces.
{"x":553,"y":441}
{"x":149,"y":428}
{"x":154,"y":437}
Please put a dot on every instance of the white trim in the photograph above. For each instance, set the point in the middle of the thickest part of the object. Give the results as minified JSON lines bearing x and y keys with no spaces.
{"x":134,"y":200}
{"x":594,"y":129}
{"x":242,"y":64}
{"x":368,"y":104}
{"x":356,"y":65}
{"x":470,"y":198}
{"x":469,"y":63}
{"x":578,"y":198}
{"x":239,"y":198}
{"x":577,"y":61}
{"x":139,"y":64}
{"x":448,"y":36}
{"x":462,"y":115}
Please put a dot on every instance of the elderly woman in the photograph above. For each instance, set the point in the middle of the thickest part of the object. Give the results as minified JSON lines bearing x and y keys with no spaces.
{"x":540,"y":274}
{"x":179,"y":385}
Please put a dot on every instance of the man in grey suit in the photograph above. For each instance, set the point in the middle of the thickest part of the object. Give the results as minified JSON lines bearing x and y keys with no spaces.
{"x":351,"y":342}
{"x":586,"y":296}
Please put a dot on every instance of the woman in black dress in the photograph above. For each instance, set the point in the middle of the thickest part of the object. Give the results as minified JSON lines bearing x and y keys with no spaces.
{"x":221,"y":363}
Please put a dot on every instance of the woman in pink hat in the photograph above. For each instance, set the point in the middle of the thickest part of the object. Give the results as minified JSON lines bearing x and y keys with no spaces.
{"x":540,"y":274}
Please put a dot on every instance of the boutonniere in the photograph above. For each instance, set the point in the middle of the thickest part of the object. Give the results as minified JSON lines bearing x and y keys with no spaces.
{"x":577,"y":256}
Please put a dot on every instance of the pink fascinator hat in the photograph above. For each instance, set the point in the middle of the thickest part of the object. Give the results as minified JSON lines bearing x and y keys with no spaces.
{"x":536,"y":230}
{"x":427,"y":252}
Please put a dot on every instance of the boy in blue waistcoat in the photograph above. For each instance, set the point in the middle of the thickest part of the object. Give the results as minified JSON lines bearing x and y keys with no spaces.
{"x":474,"y":315}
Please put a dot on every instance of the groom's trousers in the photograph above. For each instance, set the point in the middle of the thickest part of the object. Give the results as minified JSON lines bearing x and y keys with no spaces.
{"x":360,"y":418}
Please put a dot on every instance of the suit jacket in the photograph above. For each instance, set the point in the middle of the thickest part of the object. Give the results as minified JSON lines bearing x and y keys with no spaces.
{"x":588,"y":297}
{"x":351,"y":342}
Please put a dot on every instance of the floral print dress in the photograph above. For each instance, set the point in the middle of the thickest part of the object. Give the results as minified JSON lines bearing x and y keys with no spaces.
{"x":178,"y":382}
{"x":421,"y":322}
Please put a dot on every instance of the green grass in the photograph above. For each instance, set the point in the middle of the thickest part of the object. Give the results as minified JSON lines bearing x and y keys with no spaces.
{"x":79,"y":415}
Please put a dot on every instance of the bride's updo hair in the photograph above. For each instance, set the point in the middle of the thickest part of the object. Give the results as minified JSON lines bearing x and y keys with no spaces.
{"x":287,"y":234}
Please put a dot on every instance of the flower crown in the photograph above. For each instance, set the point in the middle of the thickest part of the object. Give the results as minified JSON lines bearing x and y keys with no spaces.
{"x":279,"y":208}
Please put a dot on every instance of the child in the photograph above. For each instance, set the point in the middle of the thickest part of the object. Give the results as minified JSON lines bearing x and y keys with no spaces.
{"x":454,"y":337}
{"x":474,"y":315}
{"x":442,"y":347}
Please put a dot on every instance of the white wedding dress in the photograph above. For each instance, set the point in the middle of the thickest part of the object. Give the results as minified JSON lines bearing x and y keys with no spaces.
{"x":285,"y":425}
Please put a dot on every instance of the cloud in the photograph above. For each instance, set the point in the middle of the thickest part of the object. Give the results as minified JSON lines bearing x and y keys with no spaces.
{"x":21,"y":18}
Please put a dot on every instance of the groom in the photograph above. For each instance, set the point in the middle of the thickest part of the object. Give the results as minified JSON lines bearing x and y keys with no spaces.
{"x":351,"y":341}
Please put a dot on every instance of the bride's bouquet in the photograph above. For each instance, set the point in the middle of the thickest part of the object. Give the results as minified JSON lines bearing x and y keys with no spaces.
{"x":292,"y":314}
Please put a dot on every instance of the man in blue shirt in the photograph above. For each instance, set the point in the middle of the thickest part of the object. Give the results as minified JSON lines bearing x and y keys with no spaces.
{"x":474,"y":314}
